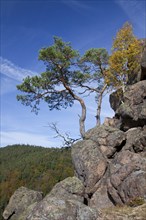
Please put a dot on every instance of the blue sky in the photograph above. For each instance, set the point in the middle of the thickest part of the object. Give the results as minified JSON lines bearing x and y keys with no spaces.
{"x":26,"y":27}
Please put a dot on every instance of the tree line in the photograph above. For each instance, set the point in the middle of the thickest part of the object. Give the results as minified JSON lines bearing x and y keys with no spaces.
{"x":69,"y":75}
{"x":34,"y":167}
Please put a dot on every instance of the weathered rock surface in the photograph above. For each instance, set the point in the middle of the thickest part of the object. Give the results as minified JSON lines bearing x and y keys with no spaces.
{"x":112,"y":122}
{"x":19,"y":203}
{"x":70,"y":188}
{"x":58,"y":209}
{"x":138,"y":143}
{"x":127,"y":178}
{"x":116,"y":99}
{"x":109,"y":139}
{"x":64,"y":202}
{"x":132,"y":111}
{"x":89,"y":163}
{"x":100,"y":199}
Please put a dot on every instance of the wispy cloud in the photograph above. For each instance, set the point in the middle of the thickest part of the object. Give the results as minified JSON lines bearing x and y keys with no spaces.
{"x":77,"y":5}
{"x":106,"y":110}
{"x":7,"y":85}
{"x":14,"y":137}
{"x":136,"y":11}
{"x":13,"y":71}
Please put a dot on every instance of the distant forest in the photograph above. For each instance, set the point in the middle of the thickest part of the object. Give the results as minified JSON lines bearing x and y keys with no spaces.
{"x":37,"y":168}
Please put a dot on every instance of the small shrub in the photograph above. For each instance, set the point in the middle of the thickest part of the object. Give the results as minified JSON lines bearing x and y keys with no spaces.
{"x":136,"y":202}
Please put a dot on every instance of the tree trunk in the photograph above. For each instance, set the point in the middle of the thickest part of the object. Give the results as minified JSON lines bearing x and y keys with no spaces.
{"x":83,"y":115}
{"x":82,"y":118}
{"x":83,"y":106}
{"x":98,"y":121}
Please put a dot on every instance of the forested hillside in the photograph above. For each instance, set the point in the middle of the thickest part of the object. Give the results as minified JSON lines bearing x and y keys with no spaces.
{"x":37,"y":168}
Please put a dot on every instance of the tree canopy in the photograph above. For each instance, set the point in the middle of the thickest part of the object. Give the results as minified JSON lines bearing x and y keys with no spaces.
{"x":55,"y":85}
{"x":125,"y":59}
{"x":34,"y":167}
{"x":68,"y":76}
{"x":95,"y":65}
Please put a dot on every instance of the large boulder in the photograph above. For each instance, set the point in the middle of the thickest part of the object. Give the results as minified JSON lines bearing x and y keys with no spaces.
{"x":19,"y":202}
{"x":54,"y":208}
{"x":109,"y":139}
{"x":89,"y":163}
{"x":90,"y":158}
{"x":136,"y":140}
{"x":70,"y":188}
{"x":127,"y":178}
{"x":116,"y":99}
{"x":100,"y":199}
{"x":131,"y":110}
{"x":64,"y":202}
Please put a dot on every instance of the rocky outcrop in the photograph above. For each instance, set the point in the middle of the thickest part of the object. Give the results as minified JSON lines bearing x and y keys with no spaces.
{"x":111,"y":161}
{"x":116,"y":99}
{"x":127,"y":178}
{"x":110,"y":165}
{"x":110,"y":170}
{"x":59,"y":209}
{"x":65,"y":201}
{"x":100,"y":198}
{"x":70,"y":188}
{"x":89,"y":163}
{"x":109,"y":139}
{"x":131,"y":106}
{"x":20,"y":203}
{"x":131,"y":110}
{"x":138,"y":143}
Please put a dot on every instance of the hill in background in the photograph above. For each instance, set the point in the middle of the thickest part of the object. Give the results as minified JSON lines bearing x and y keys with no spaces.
{"x":34,"y":167}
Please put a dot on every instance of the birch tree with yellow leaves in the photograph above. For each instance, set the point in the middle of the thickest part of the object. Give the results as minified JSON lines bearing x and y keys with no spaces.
{"x":124,"y":61}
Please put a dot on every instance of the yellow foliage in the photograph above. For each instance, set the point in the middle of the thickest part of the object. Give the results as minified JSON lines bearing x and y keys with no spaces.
{"x":124,"y":37}
{"x":125,"y":56}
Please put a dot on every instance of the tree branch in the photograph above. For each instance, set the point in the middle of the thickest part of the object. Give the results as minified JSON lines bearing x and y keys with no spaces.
{"x":67,"y":140}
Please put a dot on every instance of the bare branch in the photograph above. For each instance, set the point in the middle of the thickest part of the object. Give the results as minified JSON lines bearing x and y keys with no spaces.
{"x":67,"y":140}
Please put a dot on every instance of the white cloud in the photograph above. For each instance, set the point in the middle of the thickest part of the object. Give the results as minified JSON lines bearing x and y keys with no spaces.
{"x":14,"y":137}
{"x":13,"y":71}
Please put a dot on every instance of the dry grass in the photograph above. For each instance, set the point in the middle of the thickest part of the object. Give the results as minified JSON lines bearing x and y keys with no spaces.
{"x":124,"y":213}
